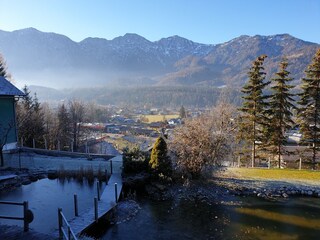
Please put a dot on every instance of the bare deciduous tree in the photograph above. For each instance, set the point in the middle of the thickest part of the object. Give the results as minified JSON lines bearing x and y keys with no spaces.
{"x":77,"y":114}
{"x":205,"y":140}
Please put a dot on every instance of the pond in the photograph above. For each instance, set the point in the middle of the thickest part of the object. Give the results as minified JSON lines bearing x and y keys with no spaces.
{"x":45,"y":197}
{"x":249,"y":218}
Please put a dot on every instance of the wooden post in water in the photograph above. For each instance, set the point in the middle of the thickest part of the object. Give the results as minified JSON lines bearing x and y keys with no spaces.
{"x":25,"y":220}
{"x":34,"y":143}
{"x":98,"y":190}
{"x":269,"y":163}
{"x":21,"y":142}
{"x":116,"y":191}
{"x":96,"y":209}
{"x":45,"y":144}
{"x":58,"y":145}
{"x":75,"y":200}
{"x":60,"y":223}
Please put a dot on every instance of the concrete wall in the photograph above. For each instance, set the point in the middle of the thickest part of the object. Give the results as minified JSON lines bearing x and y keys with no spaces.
{"x":42,"y":162}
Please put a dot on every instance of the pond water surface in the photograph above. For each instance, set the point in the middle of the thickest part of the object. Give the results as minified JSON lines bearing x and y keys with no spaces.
{"x":45,"y":197}
{"x":254,"y":218}
{"x":232,"y":218}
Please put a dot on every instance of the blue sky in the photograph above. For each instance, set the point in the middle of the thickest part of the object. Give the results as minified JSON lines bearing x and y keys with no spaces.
{"x":205,"y":21}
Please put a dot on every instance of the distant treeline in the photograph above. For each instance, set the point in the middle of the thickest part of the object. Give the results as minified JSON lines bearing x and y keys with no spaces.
{"x":153,"y":96}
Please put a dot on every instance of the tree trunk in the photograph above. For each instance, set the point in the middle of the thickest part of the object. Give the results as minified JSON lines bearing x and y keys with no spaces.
{"x":254,"y":145}
{"x":314,"y":150}
{"x":279,"y":155}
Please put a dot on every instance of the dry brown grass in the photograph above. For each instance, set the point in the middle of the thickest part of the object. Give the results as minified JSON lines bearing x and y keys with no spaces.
{"x":274,"y":174}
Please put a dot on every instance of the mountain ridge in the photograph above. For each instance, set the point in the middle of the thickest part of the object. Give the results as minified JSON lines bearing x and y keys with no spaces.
{"x":51,"y":59}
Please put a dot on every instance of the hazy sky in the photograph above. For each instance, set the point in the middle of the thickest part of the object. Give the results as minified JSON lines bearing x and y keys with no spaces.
{"x":205,"y":21}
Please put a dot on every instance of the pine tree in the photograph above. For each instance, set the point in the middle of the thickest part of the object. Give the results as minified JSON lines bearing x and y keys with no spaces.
{"x":309,"y":111}
{"x":159,"y":160}
{"x":280,"y":114}
{"x":254,"y":106}
{"x":64,"y":126}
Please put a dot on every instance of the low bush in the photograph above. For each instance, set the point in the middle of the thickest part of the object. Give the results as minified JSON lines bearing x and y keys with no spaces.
{"x":135,"y":161}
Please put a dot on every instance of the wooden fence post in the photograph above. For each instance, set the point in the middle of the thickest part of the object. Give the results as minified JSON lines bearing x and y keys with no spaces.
{"x":60,"y":223}
{"x":98,"y":190}
{"x":75,"y":200}
{"x":25,"y":220}
{"x":116,"y":191}
{"x":96,"y":209}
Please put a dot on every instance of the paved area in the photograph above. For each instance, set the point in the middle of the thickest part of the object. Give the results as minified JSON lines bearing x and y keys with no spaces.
{"x":17,"y":233}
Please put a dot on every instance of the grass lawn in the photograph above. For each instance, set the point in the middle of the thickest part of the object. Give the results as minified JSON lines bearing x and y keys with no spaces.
{"x":159,"y":118}
{"x":274,"y":174}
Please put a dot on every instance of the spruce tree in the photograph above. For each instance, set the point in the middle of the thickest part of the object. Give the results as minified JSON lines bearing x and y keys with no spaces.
{"x":254,"y":106}
{"x":159,"y":161}
{"x":3,"y":68}
{"x":30,"y":119}
{"x":182,"y":112}
{"x":64,"y":126}
{"x":280,"y":114}
{"x":309,"y":111}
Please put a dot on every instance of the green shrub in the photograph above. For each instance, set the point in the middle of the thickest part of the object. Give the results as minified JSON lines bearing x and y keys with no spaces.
{"x":135,"y":161}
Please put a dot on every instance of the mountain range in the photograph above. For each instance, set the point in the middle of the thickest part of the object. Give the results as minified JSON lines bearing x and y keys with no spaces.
{"x":54,"y":60}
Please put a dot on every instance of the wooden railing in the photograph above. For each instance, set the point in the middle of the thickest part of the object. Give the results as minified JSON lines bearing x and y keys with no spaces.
{"x":69,"y":234}
{"x":27,"y":214}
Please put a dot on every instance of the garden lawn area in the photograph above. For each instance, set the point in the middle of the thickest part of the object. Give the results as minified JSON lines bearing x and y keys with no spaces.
{"x":274,"y":174}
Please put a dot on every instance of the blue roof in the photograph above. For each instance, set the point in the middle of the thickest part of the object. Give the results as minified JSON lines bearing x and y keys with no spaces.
{"x":8,"y":89}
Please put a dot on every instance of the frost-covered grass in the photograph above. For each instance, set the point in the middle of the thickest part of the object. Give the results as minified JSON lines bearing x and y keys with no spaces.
{"x":274,"y":174}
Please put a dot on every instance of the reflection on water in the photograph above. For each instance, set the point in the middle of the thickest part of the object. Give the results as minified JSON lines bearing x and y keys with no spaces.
{"x":297,"y":218}
{"x":45,"y":197}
